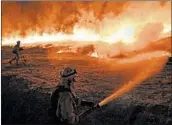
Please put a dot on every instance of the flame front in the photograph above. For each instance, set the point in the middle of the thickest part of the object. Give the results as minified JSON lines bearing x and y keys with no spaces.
{"x":136,"y":23}
{"x":124,"y":35}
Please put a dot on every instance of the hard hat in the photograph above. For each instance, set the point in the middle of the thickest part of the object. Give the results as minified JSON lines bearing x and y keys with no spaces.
{"x":68,"y":71}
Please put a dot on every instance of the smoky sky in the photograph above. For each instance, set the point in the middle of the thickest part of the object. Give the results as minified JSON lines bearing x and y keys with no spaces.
{"x":29,"y":15}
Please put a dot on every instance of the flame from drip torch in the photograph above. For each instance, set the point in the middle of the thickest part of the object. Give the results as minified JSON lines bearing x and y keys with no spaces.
{"x":149,"y":70}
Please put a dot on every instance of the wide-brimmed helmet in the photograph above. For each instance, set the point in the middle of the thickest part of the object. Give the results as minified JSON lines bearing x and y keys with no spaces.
{"x":68,"y":71}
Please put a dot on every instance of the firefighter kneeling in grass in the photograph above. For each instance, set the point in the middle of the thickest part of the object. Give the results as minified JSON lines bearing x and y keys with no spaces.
{"x":64,"y":100}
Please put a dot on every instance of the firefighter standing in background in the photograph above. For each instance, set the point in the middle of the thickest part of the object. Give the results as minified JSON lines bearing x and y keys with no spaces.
{"x":64,"y":100}
{"x":15,"y":51}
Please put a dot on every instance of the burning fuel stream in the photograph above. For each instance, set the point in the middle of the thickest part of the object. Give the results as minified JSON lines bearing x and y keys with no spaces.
{"x":146,"y":73}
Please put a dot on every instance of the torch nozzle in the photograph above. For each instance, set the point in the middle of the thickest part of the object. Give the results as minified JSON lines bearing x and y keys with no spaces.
{"x":89,"y":111}
{"x":96,"y":106}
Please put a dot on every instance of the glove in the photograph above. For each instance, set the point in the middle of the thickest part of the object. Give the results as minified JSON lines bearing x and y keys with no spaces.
{"x":87,"y":103}
{"x":96,"y":106}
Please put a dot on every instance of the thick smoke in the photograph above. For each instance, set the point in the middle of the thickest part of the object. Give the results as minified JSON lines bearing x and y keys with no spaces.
{"x":22,"y":17}
{"x":145,"y":21}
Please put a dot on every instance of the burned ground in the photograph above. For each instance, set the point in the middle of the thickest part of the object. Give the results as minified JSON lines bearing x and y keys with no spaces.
{"x":26,"y":90}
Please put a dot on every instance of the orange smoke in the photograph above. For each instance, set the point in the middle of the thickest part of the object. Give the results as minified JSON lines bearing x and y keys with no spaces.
{"x":145,"y":72}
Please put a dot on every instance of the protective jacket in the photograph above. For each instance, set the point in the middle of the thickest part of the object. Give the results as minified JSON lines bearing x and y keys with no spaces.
{"x":63,"y":103}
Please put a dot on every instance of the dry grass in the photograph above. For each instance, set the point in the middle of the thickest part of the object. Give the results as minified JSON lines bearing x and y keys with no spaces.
{"x":25,"y":96}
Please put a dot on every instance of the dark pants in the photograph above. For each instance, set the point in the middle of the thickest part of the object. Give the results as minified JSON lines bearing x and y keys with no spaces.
{"x":54,"y":119}
{"x":16,"y":57}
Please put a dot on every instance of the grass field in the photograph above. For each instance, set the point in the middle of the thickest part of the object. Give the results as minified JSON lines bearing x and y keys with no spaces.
{"x":26,"y":88}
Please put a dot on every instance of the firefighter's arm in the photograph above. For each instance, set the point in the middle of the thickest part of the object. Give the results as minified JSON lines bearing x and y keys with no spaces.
{"x":78,"y":100}
{"x":87,"y":103}
{"x":83,"y":102}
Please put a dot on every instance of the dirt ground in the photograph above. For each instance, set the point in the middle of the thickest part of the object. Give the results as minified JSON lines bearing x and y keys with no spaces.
{"x":26,"y":89}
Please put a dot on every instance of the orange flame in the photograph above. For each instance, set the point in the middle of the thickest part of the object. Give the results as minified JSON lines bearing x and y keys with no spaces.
{"x":128,"y":27}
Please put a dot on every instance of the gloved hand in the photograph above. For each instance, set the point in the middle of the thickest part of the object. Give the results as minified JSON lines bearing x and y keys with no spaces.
{"x":96,"y":106}
{"x":87,"y":103}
